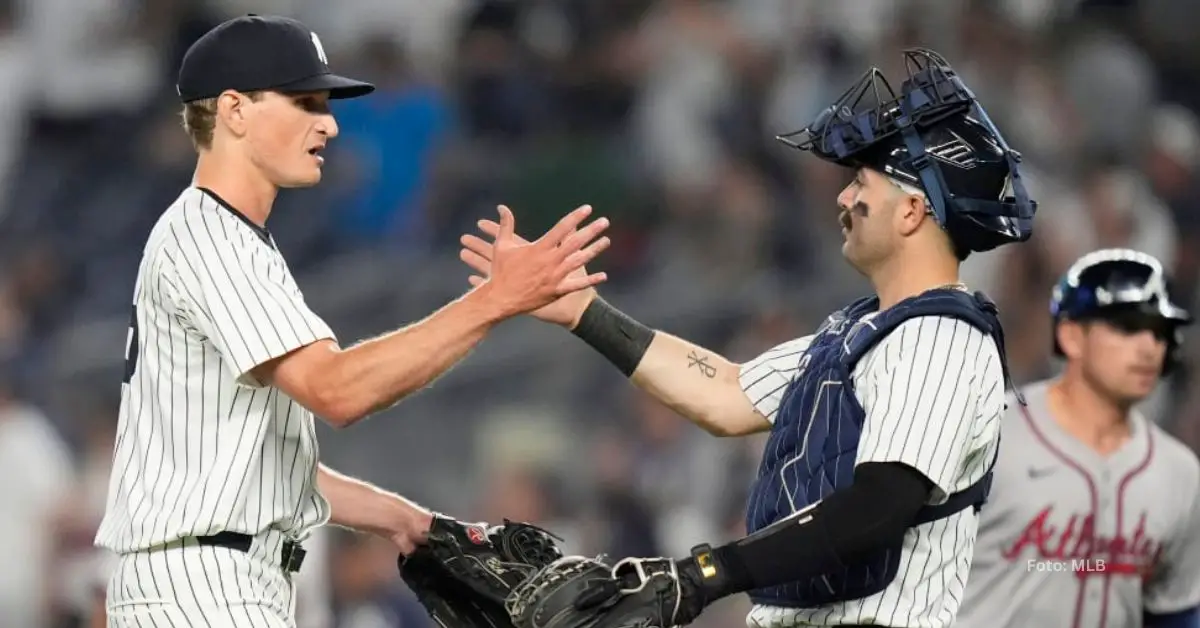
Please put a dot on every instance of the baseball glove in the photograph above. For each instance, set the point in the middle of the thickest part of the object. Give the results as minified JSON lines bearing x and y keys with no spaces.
{"x":464,"y":572}
{"x":580,"y":592}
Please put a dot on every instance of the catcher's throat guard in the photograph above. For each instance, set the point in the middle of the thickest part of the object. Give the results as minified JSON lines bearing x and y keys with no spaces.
{"x":871,"y":115}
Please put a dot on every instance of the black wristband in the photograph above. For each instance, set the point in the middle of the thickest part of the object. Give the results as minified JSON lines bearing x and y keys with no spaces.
{"x":616,"y":336}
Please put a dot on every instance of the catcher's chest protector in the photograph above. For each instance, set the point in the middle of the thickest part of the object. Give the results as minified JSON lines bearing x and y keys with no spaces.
{"x":812,"y":446}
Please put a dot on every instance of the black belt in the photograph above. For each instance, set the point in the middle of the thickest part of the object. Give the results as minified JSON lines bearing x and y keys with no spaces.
{"x":291,"y":557}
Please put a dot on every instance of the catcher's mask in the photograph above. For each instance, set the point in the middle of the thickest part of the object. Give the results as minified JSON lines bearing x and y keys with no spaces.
{"x":933,"y":134}
{"x":1124,"y":287}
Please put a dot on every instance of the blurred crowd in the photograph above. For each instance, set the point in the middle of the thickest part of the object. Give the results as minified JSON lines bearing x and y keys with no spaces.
{"x":661,"y":114}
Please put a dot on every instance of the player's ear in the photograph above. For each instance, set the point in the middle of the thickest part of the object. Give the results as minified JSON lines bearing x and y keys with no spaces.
{"x":1071,"y":336}
{"x":231,"y":111}
{"x":910,"y":213}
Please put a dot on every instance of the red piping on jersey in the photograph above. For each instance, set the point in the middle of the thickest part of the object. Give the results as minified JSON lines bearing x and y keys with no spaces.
{"x":1091,"y":483}
{"x":1121,"y":510}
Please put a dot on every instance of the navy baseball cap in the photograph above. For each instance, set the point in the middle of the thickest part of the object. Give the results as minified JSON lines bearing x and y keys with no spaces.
{"x":254,"y":53}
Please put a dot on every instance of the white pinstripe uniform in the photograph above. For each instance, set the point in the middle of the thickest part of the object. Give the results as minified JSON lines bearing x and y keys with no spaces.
{"x":934,"y":393}
{"x":202,"y":448}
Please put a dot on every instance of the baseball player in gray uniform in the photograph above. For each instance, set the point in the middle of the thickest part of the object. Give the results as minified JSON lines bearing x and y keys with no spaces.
{"x":1094,"y":517}
{"x":216,"y":475}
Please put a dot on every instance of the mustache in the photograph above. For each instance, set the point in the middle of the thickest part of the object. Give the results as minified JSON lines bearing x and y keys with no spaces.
{"x":859,"y":208}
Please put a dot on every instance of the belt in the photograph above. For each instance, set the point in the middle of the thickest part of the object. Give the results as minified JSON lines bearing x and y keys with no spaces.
{"x":292,"y":555}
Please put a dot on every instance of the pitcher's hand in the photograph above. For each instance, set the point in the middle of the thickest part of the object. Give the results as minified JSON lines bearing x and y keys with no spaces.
{"x":478,"y":253}
{"x":525,"y":277}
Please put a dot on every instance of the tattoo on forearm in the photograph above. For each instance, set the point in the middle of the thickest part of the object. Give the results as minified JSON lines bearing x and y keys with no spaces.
{"x":701,"y":362}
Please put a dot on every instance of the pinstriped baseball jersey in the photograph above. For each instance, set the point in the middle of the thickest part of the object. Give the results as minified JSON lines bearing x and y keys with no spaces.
{"x":1073,"y":539}
{"x":201,"y":446}
{"x":933,"y":391}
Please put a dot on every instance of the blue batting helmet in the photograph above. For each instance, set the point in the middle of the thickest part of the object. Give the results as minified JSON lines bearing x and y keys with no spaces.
{"x":934,"y":135}
{"x":1125,"y":287}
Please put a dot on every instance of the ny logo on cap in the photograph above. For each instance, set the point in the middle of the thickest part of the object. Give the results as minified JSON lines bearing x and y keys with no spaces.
{"x":320,"y":49}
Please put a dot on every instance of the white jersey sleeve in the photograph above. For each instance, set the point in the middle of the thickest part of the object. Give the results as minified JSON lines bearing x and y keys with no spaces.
{"x":765,"y":378}
{"x":1175,"y":583}
{"x":923,"y":388}
{"x":238,"y":292}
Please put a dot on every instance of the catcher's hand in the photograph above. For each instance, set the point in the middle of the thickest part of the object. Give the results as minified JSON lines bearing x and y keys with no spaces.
{"x":464,"y":572}
{"x":580,"y":592}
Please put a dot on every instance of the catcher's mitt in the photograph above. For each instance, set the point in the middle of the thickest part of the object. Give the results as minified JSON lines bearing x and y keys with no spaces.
{"x":580,"y":592}
{"x":464,"y":572}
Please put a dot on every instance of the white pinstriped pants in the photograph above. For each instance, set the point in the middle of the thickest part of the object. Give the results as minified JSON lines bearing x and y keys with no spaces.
{"x":185,"y":585}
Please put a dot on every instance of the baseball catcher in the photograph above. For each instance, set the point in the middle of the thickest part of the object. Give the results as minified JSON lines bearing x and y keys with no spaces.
{"x":464,"y":572}
{"x":883,"y":425}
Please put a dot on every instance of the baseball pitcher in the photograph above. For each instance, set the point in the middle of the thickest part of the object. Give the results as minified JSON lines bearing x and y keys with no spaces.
{"x":216,"y":477}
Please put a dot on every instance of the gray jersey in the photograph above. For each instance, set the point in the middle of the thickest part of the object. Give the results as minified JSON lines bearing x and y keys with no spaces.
{"x":1073,"y":539}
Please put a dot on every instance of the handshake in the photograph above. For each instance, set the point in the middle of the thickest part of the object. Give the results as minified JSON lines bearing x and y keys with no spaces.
{"x":515,"y":576}
{"x":545,"y":277}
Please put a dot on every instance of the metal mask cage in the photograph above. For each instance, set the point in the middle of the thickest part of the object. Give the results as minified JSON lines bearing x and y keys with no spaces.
{"x":871,"y":111}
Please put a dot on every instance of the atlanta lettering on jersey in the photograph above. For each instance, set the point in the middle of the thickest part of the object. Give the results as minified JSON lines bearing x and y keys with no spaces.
{"x":1077,"y":541}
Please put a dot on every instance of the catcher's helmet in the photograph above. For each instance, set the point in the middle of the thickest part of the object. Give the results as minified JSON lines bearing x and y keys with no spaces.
{"x":1121,"y":286}
{"x":933,"y":135}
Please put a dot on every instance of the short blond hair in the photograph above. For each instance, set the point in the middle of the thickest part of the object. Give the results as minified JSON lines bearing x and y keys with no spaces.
{"x":200,"y":119}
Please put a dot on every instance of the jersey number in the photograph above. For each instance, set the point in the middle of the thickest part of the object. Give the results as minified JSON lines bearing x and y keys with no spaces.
{"x":131,"y":347}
